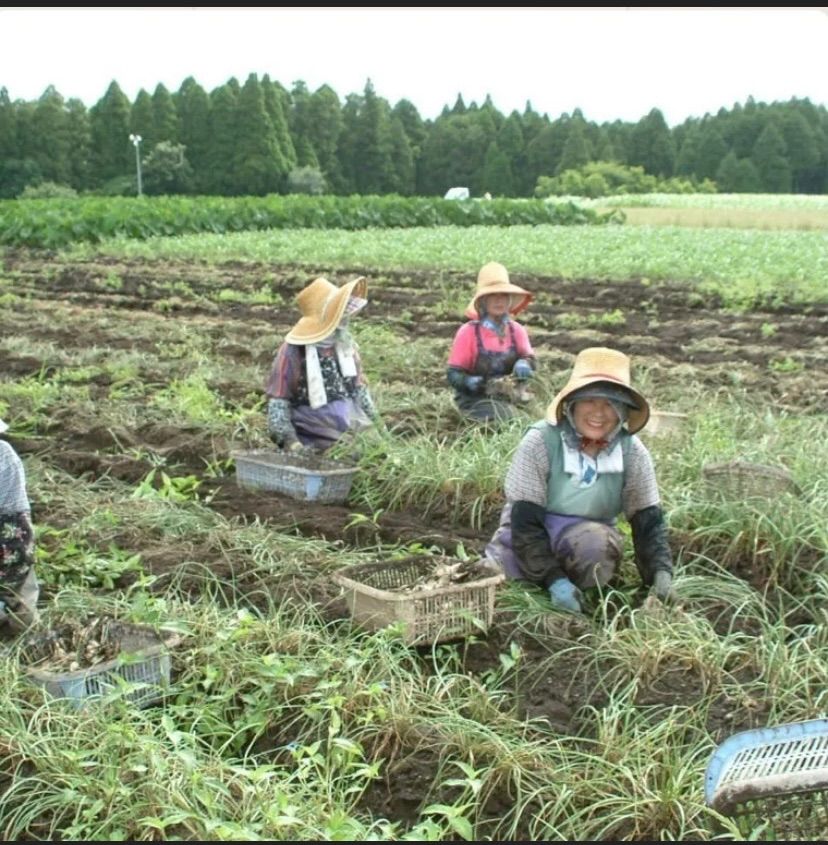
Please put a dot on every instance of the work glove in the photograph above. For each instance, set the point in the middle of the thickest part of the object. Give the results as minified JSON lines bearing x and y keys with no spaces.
{"x":295,"y":447}
{"x":522,"y":369}
{"x":663,"y":586}
{"x":564,"y":595}
{"x":474,"y":384}
{"x":652,"y":550}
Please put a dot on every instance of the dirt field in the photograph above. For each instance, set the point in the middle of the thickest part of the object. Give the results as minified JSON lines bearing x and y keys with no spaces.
{"x":89,"y":312}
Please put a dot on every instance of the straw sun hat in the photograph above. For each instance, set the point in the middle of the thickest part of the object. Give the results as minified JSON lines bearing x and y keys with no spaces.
{"x":322,"y":305}
{"x":494,"y":278}
{"x":607,"y":366}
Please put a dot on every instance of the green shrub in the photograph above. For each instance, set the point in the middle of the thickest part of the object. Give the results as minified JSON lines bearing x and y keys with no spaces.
{"x":47,"y":190}
{"x":306,"y":180}
{"x":609,"y":178}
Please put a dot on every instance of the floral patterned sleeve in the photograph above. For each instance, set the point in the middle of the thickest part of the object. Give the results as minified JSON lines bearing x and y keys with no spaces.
{"x":16,"y":548}
{"x":16,"y":532}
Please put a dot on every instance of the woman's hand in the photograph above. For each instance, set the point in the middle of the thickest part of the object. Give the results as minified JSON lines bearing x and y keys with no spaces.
{"x":663,"y":586}
{"x":564,"y":595}
{"x":474,"y":384}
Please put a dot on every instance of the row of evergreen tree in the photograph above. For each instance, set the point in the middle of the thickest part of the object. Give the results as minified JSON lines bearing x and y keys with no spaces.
{"x":256,"y":137}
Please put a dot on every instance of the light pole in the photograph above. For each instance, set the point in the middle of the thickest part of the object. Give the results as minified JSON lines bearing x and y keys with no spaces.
{"x":136,"y":141}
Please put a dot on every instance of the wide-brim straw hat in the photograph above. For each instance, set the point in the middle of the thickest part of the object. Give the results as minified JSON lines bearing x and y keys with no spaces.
{"x":599,"y":364}
{"x":322,"y":305}
{"x":494,"y":278}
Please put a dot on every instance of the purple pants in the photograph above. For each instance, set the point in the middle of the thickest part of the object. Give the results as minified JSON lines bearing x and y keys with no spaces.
{"x":588,"y":550}
{"x":322,"y":427}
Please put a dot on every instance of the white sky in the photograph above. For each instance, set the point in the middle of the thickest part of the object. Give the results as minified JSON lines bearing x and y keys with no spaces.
{"x":611,"y":62}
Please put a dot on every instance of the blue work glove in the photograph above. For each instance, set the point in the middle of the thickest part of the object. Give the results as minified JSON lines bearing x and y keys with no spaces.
{"x":474,"y":384}
{"x":663,"y":586}
{"x":522,"y":369}
{"x":564,"y":595}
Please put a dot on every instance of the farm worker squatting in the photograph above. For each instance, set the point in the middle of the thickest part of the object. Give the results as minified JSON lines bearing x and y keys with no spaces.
{"x":571,"y":476}
{"x":316,"y":389}
{"x":19,"y":589}
{"x":490,"y":347}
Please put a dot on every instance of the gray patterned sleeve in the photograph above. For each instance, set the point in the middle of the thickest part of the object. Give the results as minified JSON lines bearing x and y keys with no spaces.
{"x":364,"y":400}
{"x":640,"y":488}
{"x":526,"y":479}
{"x":279,"y":427}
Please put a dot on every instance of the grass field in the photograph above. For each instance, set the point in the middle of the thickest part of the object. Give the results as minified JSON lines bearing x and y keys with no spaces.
{"x":132,"y":372}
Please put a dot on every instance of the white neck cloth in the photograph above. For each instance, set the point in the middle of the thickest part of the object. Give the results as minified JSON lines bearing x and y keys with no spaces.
{"x":344,"y":347}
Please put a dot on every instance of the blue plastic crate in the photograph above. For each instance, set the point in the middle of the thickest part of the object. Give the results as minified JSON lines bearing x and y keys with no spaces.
{"x":775,"y":776}
{"x":311,"y":479}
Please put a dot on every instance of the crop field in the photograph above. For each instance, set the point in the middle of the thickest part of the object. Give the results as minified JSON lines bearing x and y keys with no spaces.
{"x":131,"y":372}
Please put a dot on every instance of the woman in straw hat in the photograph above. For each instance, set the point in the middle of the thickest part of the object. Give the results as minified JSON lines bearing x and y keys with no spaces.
{"x":491,"y":347}
{"x":571,"y":476}
{"x":316,"y":389}
{"x":19,"y":589}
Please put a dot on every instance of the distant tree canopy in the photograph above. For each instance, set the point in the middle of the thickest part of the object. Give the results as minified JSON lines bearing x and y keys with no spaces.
{"x":260,"y":138}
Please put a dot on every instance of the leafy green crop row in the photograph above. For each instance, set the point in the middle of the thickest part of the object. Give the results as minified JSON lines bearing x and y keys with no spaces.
{"x":55,"y":223}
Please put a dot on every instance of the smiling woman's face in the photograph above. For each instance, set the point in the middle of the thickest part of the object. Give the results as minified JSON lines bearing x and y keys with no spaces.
{"x":594,"y":418}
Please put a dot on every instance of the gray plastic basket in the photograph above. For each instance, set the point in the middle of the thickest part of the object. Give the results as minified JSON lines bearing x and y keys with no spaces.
{"x":143,"y":663}
{"x":310,"y":479}
{"x":428,"y":616}
{"x":777,"y":776}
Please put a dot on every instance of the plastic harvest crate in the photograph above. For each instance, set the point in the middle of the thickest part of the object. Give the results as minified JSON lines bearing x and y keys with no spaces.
{"x":777,"y":776}
{"x":429,"y":615}
{"x":146,"y":662}
{"x":309,"y":479}
{"x":665,"y":422}
{"x":743,"y":480}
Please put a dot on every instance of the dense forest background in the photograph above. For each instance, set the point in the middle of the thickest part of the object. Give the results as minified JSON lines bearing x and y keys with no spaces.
{"x":260,"y":138}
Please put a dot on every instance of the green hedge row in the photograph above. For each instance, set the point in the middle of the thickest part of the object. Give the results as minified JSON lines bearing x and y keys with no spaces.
{"x":55,"y":223}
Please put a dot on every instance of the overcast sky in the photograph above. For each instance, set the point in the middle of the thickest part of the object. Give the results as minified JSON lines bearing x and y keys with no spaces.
{"x":611,"y":62}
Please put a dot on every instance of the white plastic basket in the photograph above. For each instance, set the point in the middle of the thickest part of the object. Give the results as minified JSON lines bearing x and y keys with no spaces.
{"x":428,"y":616}
{"x":777,"y":776}
{"x":143,"y":663}
{"x":310,"y":479}
{"x":739,"y":480}
{"x":662,"y":423}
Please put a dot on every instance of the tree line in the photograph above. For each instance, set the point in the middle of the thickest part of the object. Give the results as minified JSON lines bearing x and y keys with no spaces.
{"x":259,"y":138}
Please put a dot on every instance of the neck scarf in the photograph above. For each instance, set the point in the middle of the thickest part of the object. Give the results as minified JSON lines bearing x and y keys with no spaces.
{"x":344,"y":344}
{"x":344,"y":347}
{"x":583,"y":467}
